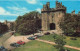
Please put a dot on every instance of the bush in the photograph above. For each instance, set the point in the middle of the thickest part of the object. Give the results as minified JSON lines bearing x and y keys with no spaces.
{"x":73,"y":38}
{"x":55,"y":36}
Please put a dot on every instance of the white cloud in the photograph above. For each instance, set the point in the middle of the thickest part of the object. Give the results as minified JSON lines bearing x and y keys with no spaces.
{"x":19,"y":10}
{"x":4,"y":12}
{"x":38,"y":9}
{"x":31,"y":1}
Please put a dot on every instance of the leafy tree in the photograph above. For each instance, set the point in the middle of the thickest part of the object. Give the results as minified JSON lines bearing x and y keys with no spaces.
{"x":59,"y":40}
{"x":28,"y":23}
{"x":71,"y":24}
{"x":27,"y":28}
{"x":3,"y":28}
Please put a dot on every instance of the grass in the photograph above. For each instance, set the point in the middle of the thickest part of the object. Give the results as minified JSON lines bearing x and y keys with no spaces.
{"x":70,"y":42}
{"x":37,"y":46}
{"x":17,"y":34}
{"x":75,"y":43}
{"x":47,"y":37}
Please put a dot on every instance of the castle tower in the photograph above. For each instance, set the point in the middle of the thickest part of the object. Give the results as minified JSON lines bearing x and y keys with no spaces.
{"x":45,"y":16}
{"x":51,"y":17}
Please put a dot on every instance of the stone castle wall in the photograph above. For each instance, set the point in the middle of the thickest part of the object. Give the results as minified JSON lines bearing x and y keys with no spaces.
{"x":52,"y":15}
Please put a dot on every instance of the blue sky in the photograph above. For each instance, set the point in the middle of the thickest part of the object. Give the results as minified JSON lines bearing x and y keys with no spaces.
{"x":11,"y":9}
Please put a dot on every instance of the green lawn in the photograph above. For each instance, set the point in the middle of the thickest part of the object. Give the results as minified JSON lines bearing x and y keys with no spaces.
{"x":75,"y":43}
{"x":37,"y":46}
{"x":17,"y":34}
{"x":68,"y":40}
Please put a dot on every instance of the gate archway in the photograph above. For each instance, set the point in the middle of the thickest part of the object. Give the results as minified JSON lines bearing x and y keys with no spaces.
{"x":52,"y":26}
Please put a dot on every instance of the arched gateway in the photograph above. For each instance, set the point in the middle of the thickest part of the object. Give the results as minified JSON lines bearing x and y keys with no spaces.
{"x":52,"y":26}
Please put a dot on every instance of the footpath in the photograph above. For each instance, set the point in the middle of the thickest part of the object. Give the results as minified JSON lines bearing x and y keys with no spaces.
{"x":49,"y":42}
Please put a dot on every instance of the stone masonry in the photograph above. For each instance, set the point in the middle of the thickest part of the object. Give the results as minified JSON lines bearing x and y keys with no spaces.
{"x":51,"y":17}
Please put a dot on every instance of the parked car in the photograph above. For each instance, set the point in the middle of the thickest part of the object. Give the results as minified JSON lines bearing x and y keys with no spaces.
{"x":3,"y":48}
{"x":35,"y":37}
{"x":31,"y":38}
{"x":38,"y":36}
{"x":47,"y":33}
{"x":15,"y":45}
{"x":20,"y":42}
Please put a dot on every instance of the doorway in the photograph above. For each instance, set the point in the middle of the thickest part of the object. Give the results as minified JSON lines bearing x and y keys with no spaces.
{"x":52,"y":26}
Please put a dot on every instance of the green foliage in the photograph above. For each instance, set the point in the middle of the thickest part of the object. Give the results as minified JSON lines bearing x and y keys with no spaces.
{"x":28,"y":23}
{"x":59,"y":40}
{"x":70,"y":24}
{"x":27,"y":28}
{"x":70,"y":42}
{"x":12,"y":27}
{"x":3,"y":28}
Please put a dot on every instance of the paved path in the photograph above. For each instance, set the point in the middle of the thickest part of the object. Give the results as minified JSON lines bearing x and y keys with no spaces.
{"x":4,"y":37}
{"x":14,"y":39}
{"x":55,"y":44}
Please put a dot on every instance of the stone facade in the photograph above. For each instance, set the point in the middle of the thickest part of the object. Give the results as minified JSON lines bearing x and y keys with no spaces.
{"x":51,"y":17}
{"x":9,"y":24}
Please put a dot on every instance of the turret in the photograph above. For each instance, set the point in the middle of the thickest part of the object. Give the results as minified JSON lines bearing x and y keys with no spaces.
{"x":46,"y":7}
{"x":59,"y":5}
{"x":73,"y":12}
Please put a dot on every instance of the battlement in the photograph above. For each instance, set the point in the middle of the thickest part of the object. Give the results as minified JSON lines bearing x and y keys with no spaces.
{"x":46,"y":6}
{"x":59,"y":6}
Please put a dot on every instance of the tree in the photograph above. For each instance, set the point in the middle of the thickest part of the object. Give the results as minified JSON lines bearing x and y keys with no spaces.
{"x":71,"y":24}
{"x":59,"y":40}
{"x":27,"y":28}
{"x":28,"y":23}
{"x":3,"y":28}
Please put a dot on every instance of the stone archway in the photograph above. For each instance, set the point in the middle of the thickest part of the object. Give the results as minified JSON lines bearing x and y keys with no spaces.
{"x":52,"y":26}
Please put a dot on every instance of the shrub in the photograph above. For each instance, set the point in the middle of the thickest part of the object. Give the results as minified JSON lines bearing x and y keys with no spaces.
{"x":60,"y":42}
{"x":55,"y":36}
{"x":73,"y":38}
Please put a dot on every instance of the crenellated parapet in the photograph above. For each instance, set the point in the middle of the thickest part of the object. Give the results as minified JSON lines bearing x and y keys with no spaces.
{"x":46,"y":7}
{"x":59,"y":7}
